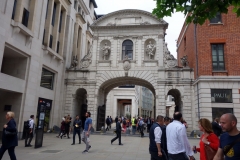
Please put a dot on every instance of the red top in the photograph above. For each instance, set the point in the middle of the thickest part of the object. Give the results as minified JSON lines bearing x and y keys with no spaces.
{"x":214,"y":144}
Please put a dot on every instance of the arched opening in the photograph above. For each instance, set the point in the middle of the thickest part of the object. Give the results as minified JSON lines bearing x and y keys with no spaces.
{"x":177,"y":99}
{"x":124,"y":101}
{"x":81,"y":104}
{"x":127,"y":49}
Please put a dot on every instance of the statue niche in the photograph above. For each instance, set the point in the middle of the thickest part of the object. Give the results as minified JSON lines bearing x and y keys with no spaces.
{"x":150,"y":48}
{"x":105,"y":48}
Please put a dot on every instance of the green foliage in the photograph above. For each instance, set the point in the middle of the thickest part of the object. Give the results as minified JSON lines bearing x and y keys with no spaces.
{"x":197,"y":11}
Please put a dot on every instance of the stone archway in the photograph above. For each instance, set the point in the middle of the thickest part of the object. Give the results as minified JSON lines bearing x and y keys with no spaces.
{"x":80,"y":107}
{"x":175,"y":93}
{"x":108,"y":85}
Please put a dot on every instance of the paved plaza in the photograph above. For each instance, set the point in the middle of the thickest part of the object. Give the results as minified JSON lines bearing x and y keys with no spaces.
{"x":134,"y":148}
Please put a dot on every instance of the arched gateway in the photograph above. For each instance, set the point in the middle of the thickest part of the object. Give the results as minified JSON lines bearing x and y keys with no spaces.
{"x":129,"y":48}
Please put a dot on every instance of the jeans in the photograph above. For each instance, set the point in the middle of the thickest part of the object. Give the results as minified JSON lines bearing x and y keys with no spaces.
{"x":179,"y":156}
{"x":133,"y":129}
{"x":76,"y":131}
{"x":85,"y":139}
{"x":141,"y":130}
{"x":10,"y":152}
{"x":28,"y":136}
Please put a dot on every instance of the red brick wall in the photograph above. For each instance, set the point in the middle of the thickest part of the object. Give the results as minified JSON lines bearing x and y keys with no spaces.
{"x":227,"y":33}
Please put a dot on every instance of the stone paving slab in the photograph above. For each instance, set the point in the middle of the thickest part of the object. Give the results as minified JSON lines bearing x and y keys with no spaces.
{"x":134,"y":148}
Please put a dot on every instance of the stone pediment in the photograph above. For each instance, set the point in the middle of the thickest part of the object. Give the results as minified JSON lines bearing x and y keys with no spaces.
{"x":128,"y":17}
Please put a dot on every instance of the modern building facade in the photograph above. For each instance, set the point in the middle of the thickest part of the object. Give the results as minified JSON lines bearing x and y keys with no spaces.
{"x":212,"y":50}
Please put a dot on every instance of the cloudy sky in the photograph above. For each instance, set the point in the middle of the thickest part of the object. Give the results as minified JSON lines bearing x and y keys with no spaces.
{"x":174,"y":23}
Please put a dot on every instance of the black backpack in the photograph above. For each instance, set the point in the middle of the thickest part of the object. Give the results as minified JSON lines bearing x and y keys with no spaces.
{"x":135,"y":121}
{"x":26,"y":124}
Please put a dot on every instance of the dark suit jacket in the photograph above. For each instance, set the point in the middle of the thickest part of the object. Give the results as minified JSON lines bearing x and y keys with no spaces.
{"x":118,"y":127}
{"x":216,"y":128}
{"x":7,"y":141}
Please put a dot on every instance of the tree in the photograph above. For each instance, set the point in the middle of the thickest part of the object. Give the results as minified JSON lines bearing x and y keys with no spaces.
{"x":197,"y":11}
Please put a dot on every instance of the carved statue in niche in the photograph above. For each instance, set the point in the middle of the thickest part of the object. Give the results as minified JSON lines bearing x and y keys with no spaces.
{"x":106,"y":51}
{"x":74,"y":62}
{"x":151,"y":50}
{"x":184,"y":61}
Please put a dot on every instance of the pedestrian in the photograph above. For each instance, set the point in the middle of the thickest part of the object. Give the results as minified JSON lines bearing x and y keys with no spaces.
{"x":217,"y":129}
{"x":86,"y":132}
{"x":118,"y":132}
{"x":156,"y":137}
{"x":9,"y":142}
{"x":29,"y":132}
{"x":124,"y":125}
{"x":208,"y":138}
{"x":230,"y":140}
{"x":111,"y":121}
{"x":140,"y":124}
{"x":60,"y":131}
{"x":149,"y":123}
{"x":77,"y":124}
{"x":108,"y":123}
{"x":167,"y":121}
{"x":134,"y":123}
{"x":66,"y":127}
{"x":177,"y":141}
{"x":116,"y":120}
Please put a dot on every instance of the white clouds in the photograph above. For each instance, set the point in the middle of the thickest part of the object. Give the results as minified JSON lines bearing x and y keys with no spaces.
{"x":175,"y":22}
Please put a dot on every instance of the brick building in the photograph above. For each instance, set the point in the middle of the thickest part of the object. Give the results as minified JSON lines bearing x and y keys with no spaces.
{"x":212,"y":50}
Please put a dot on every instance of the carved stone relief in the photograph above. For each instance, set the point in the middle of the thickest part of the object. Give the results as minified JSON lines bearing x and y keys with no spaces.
{"x":150,"y":49}
{"x":126,"y":65}
{"x":87,"y":59}
{"x":184,"y":61}
{"x":169,"y":60}
{"x":74,"y":62}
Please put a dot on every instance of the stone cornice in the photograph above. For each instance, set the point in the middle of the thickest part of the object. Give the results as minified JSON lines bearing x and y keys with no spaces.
{"x":217,"y":79}
{"x":127,"y":26}
{"x":80,"y":18}
{"x":121,"y":12}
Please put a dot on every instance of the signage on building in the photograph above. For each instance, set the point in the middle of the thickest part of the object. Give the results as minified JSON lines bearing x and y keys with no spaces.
{"x":221,"y":95}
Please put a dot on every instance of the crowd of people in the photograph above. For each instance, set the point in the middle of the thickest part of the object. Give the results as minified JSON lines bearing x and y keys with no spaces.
{"x":220,"y":139}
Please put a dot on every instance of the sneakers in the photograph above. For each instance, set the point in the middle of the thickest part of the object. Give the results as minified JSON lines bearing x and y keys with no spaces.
{"x":85,"y":151}
{"x":89,"y":147}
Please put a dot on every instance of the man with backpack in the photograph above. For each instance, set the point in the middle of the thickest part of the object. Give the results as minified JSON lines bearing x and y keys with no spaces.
{"x":29,"y":127}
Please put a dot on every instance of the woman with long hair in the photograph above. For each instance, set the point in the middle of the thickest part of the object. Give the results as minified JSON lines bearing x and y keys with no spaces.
{"x":208,"y":138}
{"x":66,"y":127}
{"x":9,"y":137}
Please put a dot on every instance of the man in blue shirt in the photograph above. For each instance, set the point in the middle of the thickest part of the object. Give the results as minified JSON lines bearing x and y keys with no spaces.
{"x":86,"y":131}
{"x":229,"y":141}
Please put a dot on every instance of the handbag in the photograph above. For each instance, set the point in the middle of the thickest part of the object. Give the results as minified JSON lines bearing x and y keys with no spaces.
{"x":209,"y":152}
{"x":10,"y":134}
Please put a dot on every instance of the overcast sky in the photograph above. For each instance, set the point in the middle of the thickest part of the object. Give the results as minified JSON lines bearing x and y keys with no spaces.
{"x":174,"y":23}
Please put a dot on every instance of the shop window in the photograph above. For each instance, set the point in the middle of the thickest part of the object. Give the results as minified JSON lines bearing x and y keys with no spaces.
{"x":221,"y":95}
{"x":14,"y":9}
{"x":218,"y":57}
{"x":25,"y":17}
{"x":217,"y":18}
{"x":127,"y":49}
{"x":47,"y":79}
{"x":218,"y":112}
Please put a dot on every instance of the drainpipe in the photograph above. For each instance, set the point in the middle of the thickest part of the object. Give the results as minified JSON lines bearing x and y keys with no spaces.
{"x":196,"y":54}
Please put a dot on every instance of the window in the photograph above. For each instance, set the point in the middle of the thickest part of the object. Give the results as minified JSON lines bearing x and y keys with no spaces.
{"x":218,"y":57}
{"x":25,"y":17}
{"x":127,"y":49}
{"x":47,"y":9}
{"x":221,"y":95}
{"x":54,"y":13}
{"x":58,"y":43}
{"x":43,"y":37}
{"x":14,"y":9}
{"x":60,"y":22}
{"x":79,"y":9}
{"x":75,"y":5}
{"x":217,"y":18}
{"x":47,"y":79}
{"x":185,"y":42}
{"x":51,"y":39}
{"x":218,"y":112}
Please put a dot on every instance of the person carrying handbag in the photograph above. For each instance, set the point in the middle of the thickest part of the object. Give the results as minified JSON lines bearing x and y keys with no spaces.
{"x":9,"y":137}
{"x":209,"y":142}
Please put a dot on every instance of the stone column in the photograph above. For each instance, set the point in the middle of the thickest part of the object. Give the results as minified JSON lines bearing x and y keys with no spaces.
{"x":19,"y":11}
{"x":140,"y":50}
{"x":160,"y":50}
{"x":56,"y":27}
{"x":62,"y":33}
{"x":32,"y":11}
{"x":48,"y":23}
{"x":75,"y":38}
